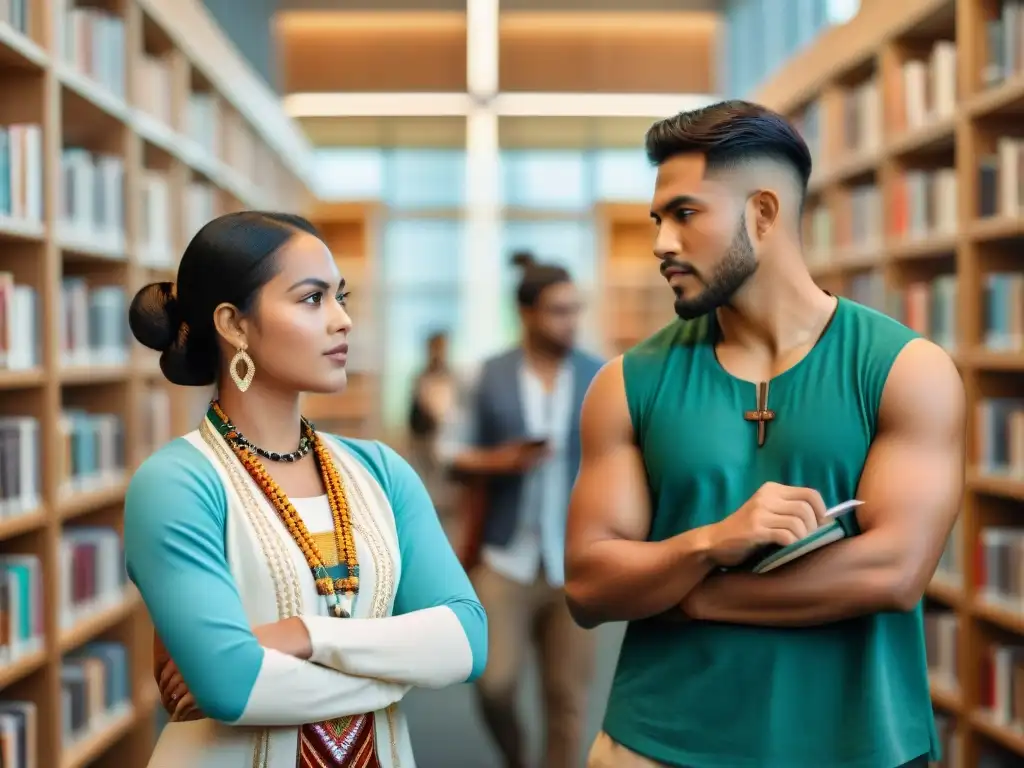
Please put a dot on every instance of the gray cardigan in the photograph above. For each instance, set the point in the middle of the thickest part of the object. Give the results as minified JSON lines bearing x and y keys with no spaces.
{"x":499,"y":419}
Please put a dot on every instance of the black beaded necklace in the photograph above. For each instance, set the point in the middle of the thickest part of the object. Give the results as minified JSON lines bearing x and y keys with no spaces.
{"x":230,"y":432}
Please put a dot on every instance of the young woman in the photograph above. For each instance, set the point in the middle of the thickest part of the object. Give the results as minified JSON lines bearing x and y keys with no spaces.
{"x":300,"y":582}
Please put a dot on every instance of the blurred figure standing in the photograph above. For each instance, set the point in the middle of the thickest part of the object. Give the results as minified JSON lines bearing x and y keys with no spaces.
{"x":433,"y":396}
{"x":514,"y":438}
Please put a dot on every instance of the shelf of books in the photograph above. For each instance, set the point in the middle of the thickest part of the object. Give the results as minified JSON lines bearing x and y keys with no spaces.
{"x":116,"y":144}
{"x":915,"y":209}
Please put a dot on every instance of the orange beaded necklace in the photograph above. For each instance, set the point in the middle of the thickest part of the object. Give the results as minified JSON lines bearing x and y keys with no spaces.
{"x":331,"y":581}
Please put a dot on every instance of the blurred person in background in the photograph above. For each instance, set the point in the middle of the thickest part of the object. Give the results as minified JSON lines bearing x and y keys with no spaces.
{"x":433,"y":395}
{"x":299,"y":582}
{"x":514,"y":437}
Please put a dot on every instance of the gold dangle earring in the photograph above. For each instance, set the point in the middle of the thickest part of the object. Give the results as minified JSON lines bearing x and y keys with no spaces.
{"x":241,"y":356}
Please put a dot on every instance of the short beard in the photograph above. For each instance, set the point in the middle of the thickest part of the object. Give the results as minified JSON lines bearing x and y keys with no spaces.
{"x":729,"y":275}
{"x":550,"y":346}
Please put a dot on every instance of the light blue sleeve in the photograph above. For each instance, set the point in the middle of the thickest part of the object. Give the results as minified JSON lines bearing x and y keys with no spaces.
{"x":174,"y":550}
{"x":431,"y":573}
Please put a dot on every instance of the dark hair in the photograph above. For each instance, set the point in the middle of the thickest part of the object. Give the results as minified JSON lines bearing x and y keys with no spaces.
{"x":227,"y":261}
{"x":728,"y":133}
{"x":536,"y":278}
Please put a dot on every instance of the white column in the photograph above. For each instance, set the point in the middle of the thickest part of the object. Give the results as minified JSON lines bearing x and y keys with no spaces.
{"x":482,"y":40}
{"x":482,"y":260}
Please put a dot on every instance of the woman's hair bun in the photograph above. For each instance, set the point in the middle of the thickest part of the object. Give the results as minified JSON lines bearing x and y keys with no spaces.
{"x":154,"y":317}
{"x":523,"y":259}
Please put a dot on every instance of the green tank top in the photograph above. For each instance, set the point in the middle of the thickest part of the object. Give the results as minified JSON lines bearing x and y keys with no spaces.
{"x":852,"y":694}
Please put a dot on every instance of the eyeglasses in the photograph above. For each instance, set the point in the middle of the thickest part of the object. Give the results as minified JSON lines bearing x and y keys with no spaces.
{"x":561,"y":310}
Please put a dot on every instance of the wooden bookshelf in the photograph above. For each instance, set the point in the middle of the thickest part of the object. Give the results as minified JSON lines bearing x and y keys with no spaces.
{"x":635,"y":300}
{"x":915,"y":208}
{"x":351,"y":232}
{"x":124,"y":125}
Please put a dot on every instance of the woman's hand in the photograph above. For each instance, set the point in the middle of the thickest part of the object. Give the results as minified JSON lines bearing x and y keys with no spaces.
{"x":287,"y":636}
{"x":175,"y":695}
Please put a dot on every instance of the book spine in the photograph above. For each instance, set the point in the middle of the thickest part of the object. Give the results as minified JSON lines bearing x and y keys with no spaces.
{"x":941,"y":629}
{"x":93,"y":456}
{"x":93,"y":202}
{"x":999,"y":425}
{"x":93,"y":577}
{"x":94,"y":45}
{"x":20,"y":476}
{"x":21,"y":607}
{"x":95,"y":690}
{"x":93,"y":324}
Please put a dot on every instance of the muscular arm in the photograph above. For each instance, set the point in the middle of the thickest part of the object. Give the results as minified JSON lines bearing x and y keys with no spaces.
{"x":175,"y":512}
{"x":911,"y":485}
{"x":612,"y":572}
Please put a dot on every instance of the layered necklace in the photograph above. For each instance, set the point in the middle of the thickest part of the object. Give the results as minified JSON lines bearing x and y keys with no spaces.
{"x":333,"y":582}
{"x":345,"y":742}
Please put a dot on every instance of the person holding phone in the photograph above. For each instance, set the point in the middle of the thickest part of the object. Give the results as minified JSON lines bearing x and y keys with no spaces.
{"x":514,"y":439}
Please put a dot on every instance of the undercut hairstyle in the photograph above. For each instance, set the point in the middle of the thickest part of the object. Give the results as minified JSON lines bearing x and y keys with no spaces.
{"x":536,"y":278}
{"x":728,"y":134}
{"x":229,"y":261}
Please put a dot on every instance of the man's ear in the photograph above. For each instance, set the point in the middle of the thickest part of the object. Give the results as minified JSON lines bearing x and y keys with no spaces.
{"x":767,"y":208}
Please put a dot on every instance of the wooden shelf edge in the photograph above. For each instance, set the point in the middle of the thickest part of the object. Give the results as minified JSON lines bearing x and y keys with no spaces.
{"x":945,"y":697}
{"x":945,"y":590}
{"x":25,"y":47}
{"x":83,"y":751}
{"x":1006,"y":736}
{"x":1004,"y":617}
{"x":88,"y":628}
{"x":17,"y":525}
{"x":995,"y":485}
{"x":21,"y":668}
{"x":21,"y":379}
{"x":77,"y":375}
{"x":923,"y":137}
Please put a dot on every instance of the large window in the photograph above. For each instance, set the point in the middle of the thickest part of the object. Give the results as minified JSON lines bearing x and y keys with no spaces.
{"x":421,"y":253}
{"x":759,"y":39}
{"x":419,"y":272}
{"x":549,"y":197}
{"x":546,"y":180}
{"x":425,"y":178}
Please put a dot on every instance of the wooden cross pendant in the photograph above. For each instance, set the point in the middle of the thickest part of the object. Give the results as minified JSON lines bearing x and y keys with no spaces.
{"x":762,"y":415}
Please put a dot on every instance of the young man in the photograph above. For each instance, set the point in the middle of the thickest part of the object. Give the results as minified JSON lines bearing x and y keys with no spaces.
{"x":516,"y":431}
{"x":734,"y":428}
